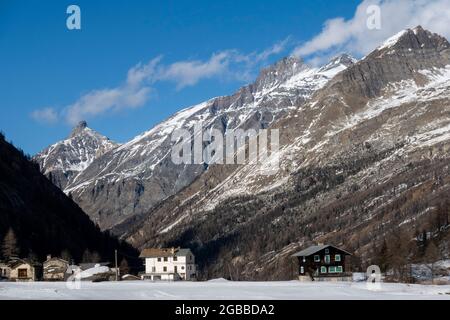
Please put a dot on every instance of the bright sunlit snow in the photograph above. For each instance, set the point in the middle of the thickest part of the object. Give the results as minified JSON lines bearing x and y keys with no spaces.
{"x":219,"y":290}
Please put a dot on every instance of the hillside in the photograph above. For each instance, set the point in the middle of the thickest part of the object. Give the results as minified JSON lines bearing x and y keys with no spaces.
{"x":43,"y":218}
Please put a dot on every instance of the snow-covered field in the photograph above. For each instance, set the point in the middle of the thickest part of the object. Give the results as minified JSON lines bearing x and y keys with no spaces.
{"x":218,"y":290}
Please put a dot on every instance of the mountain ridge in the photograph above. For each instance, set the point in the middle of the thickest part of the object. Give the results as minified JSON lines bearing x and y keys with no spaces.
{"x":141,"y":167}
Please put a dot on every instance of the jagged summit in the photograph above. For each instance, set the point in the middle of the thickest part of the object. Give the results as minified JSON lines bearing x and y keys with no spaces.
{"x":80,"y":127}
{"x":413,"y":39}
{"x":67,"y":158}
{"x":280,"y":72}
{"x":404,"y":56}
{"x":343,"y":59}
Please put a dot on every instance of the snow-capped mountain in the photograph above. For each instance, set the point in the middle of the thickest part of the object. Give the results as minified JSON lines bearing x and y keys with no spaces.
{"x":366,"y":154}
{"x":65,"y":160}
{"x":134,"y":177}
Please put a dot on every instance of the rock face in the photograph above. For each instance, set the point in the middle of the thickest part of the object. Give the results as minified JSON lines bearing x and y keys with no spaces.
{"x":129,"y":180}
{"x":402,"y":57}
{"x":367,"y":155}
{"x":65,"y":160}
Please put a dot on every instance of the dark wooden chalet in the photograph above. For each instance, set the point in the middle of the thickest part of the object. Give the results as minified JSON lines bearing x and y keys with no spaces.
{"x":323,"y":261}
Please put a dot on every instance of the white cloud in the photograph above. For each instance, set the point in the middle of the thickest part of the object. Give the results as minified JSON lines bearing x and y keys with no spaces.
{"x":277,"y":48}
{"x":188,"y":73}
{"x":133,"y":94}
{"x":355,"y":37}
{"x":136,"y":89}
{"x":45,"y":115}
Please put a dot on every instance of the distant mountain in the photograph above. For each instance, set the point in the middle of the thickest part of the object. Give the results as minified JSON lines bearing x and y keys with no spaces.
{"x":130,"y":179}
{"x":43,"y":218}
{"x":65,"y":160}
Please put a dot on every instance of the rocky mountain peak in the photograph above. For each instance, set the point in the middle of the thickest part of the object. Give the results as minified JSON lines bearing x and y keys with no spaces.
{"x":78,"y":129}
{"x":66,"y":159}
{"x":280,"y":72}
{"x":415,"y":39}
{"x":343,"y":59}
{"x":404,"y":56}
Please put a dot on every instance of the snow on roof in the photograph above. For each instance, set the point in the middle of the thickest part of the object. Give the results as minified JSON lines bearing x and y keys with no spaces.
{"x":93,"y":271}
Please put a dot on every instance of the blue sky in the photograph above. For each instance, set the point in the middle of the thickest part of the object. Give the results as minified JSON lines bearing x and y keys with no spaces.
{"x":188,"y":51}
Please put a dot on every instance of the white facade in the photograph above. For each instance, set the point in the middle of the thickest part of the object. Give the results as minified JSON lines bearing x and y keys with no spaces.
{"x":178,"y":265}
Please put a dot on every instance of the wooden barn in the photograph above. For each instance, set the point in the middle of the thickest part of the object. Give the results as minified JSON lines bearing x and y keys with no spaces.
{"x":323,"y":263}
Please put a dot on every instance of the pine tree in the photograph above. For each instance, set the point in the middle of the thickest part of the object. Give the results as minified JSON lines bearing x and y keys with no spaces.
{"x":95,"y":257}
{"x":124,"y":268}
{"x":432,"y":254}
{"x":87,"y":256}
{"x":9,"y":246}
{"x":65,"y":255}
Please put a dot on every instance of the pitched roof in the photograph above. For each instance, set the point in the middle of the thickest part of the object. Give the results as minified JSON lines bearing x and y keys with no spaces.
{"x":17,"y":262}
{"x":55,"y":259}
{"x":314,"y":249}
{"x":164,"y":252}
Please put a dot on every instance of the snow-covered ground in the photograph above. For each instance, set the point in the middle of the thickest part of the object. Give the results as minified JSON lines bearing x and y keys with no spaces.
{"x":218,"y":290}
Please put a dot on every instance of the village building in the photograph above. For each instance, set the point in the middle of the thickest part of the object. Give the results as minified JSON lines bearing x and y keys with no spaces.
{"x":96,"y":271}
{"x":4,"y":271}
{"x":323,"y":263}
{"x":21,"y":270}
{"x":55,"y":269}
{"x":170,"y":264}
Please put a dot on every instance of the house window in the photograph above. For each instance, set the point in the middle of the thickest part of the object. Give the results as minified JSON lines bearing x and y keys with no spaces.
{"x":327,"y":251}
{"x":22,"y":273}
{"x":175,"y":258}
{"x":182,"y":267}
{"x":153,"y":269}
{"x":316,"y":258}
{"x":339,"y":269}
{"x":176,"y":269}
{"x":302,"y":270}
{"x":323,"y":269}
{"x":327,"y":258}
{"x":165,"y":269}
{"x":166,"y":259}
{"x":159,"y":259}
{"x":332,"y":269}
{"x":337,"y":258}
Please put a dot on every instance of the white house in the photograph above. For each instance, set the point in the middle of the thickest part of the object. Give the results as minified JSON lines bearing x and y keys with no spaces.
{"x":168,"y":264}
